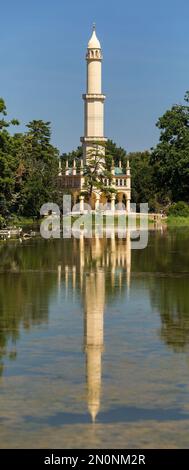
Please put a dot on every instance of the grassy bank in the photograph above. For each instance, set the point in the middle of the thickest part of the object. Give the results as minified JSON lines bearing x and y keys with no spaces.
{"x":23,"y":222}
{"x":115,"y":220}
{"x":177,"y":221}
{"x":171,"y":220}
{"x":108,"y":219}
{"x":121,"y":221}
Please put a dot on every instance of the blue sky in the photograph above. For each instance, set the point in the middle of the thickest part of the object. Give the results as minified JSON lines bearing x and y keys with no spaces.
{"x":145,"y":69}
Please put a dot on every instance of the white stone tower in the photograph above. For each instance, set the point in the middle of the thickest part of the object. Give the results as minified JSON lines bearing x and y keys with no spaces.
{"x":93,"y":99}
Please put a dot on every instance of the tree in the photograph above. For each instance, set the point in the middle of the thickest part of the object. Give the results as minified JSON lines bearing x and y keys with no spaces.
{"x":95,"y":170}
{"x":141,"y":172}
{"x":28,"y":168}
{"x":3,"y":111}
{"x":116,"y":153}
{"x":170,"y":158}
{"x":112,"y":152}
{"x":180,"y":209}
{"x":37,"y":170}
{"x":7,"y":161}
{"x":75,"y":154}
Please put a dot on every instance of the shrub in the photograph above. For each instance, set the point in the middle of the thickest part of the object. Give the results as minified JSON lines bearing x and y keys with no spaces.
{"x":2,"y":221}
{"x":179,"y":209}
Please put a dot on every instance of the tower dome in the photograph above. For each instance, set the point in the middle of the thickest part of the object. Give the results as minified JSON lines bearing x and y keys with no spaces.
{"x":94,"y":43}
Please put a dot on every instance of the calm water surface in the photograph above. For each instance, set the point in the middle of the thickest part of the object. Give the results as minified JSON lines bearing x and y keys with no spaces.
{"x":94,"y":343}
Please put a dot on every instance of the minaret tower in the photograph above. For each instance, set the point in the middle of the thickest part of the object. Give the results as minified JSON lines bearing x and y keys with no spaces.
{"x":93,"y":99}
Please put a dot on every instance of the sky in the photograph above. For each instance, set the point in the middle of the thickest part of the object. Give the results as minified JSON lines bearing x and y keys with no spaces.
{"x":145,"y":69}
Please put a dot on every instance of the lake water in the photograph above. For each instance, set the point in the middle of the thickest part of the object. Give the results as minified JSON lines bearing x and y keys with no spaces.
{"x":94,"y":343}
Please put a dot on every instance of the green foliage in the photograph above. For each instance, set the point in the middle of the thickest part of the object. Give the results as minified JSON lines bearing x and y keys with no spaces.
{"x":162,"y":176}
{"x":37,"y":169}
{"x":115,"y":153}
{"x":177,"y":221}
{"x":170,"y":159}
{"x":75,"y":154}
{"x":3,"y":111}
{"x":179,"y":209}
{"x":141,"y":171}
{"x":2,"y":221}
{"x":95,"y":170}
{"x":28,"y":168}
{"x":112,"y":152}
{"x":7,"y":162}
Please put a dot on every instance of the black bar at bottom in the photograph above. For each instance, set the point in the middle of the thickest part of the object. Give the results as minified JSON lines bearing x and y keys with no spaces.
{"x":77,"y":459}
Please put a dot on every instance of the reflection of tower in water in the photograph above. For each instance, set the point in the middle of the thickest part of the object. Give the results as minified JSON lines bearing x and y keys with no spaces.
{"x":93,"y":334}
{"x":117,"y":258}
{"x":103,"y":262}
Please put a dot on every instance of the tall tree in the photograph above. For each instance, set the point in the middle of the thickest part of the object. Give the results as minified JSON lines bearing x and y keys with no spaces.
{"x":38,"y":169}
{"x":142,"y":182}
{"x":7,"y":161}
{"x":95,"y":170}
{"x":170,"y":159}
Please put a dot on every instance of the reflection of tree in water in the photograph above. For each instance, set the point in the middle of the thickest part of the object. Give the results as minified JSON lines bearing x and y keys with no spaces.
{"x":170,"y":296}
{"x":24,"y":296}
{"x":166,"y":252}
{"x":25,"y":286}
{"x":166,"y":262}
{"x":28,"y":272}
{"x":169,"y":255}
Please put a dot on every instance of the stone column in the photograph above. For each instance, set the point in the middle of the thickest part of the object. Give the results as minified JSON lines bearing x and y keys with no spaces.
{"x":113,"y":174}
{"x":113,"y":202}
{"x":128,"y":202}
{"x":81,"y":203}
{"x":128,"y":173}
{"x":97,"y":202}
{"x":67,"y":168}
{"x":74,"y":168}
{"x":59,"y":168}
{"x":81,"y":167}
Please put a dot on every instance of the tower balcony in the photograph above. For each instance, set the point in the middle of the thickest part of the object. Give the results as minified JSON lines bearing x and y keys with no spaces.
{"x":94,"y":54}
{"x":93,"y":140}
{"x":94,"y":97}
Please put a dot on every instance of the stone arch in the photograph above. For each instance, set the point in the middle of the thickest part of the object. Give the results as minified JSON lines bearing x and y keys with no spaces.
{"x":124,"y":199}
